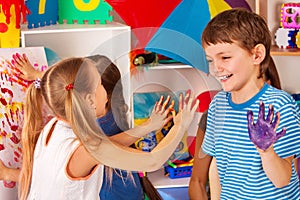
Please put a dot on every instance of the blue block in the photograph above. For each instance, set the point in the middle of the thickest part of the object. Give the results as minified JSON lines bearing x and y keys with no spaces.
{"x":49,"y":17}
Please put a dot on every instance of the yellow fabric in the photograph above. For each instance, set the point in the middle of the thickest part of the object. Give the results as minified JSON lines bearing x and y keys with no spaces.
{"x":217,"y":6}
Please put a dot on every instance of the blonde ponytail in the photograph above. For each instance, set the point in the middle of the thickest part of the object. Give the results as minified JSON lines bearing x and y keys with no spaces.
{"x":33,"y":123}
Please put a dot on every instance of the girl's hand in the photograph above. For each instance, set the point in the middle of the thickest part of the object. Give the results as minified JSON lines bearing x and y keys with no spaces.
{"x":24,"y":68}
{"x":160,"y":114}
{"x":187,"y":108}
{"x":2,"y":170}
{"x":263,"y":133}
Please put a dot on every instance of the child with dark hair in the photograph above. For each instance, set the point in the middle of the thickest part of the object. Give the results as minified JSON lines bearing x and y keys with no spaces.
{"x":199,"y":179}
{"x":251,"y":159}
{"x":124,"y":184}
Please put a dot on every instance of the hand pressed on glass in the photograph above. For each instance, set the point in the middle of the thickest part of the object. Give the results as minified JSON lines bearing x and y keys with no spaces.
{"x":263,"y":133}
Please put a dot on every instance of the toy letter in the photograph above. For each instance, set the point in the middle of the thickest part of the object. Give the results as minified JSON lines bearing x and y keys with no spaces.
{"x":82,"y":6}
{"x":42,"y":6}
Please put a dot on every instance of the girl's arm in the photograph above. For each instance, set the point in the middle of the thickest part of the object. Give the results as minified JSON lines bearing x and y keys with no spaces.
{"x":136,"y":160}
{"x":157,"y":120}
{"x":126,"y":158}
{"x":199,"y":178}
{"x":9,"y":174}
{"x":214,"y":181}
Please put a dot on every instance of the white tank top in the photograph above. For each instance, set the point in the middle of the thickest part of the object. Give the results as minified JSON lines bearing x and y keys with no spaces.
{"x":49,"y":177}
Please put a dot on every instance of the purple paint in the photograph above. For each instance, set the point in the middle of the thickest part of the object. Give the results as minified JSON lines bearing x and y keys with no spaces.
{"x":238,"y":4}
{"x":263,"y":133}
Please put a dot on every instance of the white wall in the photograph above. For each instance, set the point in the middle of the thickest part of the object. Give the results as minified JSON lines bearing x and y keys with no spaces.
{"x":289,"y":72}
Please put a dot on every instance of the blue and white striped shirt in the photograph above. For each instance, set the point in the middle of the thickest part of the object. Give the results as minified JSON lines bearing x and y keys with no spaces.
{"x":239,"y":163}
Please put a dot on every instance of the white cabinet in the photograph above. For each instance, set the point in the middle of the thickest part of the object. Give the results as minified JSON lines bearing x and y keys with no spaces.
{"x":287,"y":60}
{"x":271,"y":11}
{"x":80,"y":39}
{"x":68,"y":40}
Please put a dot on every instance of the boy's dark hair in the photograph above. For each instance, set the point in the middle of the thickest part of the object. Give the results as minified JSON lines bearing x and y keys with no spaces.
{"x":271,"y":74}
{"x":242,"y":26}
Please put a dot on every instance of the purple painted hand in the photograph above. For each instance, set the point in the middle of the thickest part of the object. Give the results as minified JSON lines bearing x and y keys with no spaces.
{"x":263,"y":133}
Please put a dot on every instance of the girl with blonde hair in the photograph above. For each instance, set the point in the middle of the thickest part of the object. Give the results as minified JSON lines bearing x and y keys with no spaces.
{"x":65,"y":158}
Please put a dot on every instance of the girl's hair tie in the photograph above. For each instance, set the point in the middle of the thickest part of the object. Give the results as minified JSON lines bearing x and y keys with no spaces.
{"x":69,"y":86}
{"x":37,"y":83}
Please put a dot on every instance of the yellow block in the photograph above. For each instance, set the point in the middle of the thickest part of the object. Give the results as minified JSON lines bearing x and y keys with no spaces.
{"x":82,"y":6}
{"x":10,"y":38}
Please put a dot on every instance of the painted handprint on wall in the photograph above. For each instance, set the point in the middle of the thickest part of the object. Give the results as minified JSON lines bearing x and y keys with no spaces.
{"x":10,"y":130}
{"x":12,"y":93}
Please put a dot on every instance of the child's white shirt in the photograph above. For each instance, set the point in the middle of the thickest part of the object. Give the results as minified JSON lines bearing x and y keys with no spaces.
{"x":49,"y":178}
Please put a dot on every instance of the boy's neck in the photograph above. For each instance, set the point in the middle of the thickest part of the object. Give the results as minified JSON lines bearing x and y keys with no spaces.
{"x":246,"y":93}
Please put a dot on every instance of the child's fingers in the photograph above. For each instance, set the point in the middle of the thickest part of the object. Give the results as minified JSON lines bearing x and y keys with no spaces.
{"x":180,"y":105}
{"x":16,"y":58}
{"x":161,"y":100}
{"x":25,"y":57}
{"x":169,"y":109}
{"x":166,"y":103}
{"x":261,"y":112}
{"x":196,"y":105}
{"x":168,"y":119}
{"x":270,"y":114}
{"x":189,"y":100}
{"x":173,"y":113}
{"x":281,"y":133}
{"x":250,"y":117}
{"x":187,"y":96}
{"x":276,"y":122}
{"x":154,"y":108}
{"x":20,"y":60}
{"x":172,"y":104}
{"x":158,"y":105}
{"x":16,"y":71}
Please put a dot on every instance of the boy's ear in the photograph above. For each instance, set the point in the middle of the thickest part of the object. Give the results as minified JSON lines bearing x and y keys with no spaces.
{"x":259,"y":53}
{"x":91,"y":100}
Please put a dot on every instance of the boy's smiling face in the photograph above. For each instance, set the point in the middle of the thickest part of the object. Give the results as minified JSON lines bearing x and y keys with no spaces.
{"x":233,"y":66}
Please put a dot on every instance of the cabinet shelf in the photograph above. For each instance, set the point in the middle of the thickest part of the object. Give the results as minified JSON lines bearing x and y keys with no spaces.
{"x":68,"y":40}
{"x":80,"y":39}
{"x":270,"y":10}
{"x":276,"y":51}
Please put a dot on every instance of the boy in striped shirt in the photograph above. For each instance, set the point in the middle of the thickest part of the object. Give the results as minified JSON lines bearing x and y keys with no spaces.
{"x":237,"y":44}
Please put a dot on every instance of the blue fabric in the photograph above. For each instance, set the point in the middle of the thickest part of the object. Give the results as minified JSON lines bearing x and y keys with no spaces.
{"x":121,"y":186}
{"x":108,"y":124}
{"x":51,"y":56}
{"x":186,"y":29}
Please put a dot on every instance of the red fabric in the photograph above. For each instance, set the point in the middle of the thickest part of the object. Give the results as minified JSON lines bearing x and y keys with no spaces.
{"x":205,"y":99}
{"x":144,"y":17}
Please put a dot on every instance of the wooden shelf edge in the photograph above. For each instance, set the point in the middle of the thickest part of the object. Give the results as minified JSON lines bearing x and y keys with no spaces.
{"x":276,"y":51}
